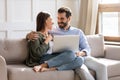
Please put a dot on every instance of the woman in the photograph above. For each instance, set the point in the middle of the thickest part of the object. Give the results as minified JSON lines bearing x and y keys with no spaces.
{"x":39,"y":56}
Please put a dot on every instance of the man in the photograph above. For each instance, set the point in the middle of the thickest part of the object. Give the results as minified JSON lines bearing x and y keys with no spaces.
{"x":64,"y":28}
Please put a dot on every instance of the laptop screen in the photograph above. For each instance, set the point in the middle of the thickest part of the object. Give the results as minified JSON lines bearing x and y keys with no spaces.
{"x":65,"y":42}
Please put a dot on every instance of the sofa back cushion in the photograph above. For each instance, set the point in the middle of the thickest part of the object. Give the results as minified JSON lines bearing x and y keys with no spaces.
{"x":14,"y":51}
{"x":96,"y":43}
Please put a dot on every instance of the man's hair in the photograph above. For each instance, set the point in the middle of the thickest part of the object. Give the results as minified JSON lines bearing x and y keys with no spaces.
{"x":41,"y":20}
{"x":65,"y":10}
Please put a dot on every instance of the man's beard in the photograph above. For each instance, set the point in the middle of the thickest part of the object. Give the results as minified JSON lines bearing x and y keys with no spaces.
{"x":63,"y":24}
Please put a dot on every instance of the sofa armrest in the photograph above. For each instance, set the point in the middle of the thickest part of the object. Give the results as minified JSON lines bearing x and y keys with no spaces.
{"x":112,"y":52}
{"x":3,"y":69}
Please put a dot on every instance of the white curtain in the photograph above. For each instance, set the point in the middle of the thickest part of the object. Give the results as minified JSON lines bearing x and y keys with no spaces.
{"x":88,"y":16}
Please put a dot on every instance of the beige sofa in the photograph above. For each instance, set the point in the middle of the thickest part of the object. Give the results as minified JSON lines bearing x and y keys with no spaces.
{"x":14,"y":52}
{"x":107,"y":55}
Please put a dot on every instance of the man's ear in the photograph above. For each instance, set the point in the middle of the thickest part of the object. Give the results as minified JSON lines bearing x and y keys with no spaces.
{"x":69,"y":18}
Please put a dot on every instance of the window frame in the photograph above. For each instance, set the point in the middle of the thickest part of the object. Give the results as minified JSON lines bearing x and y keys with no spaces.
{"x":107,"y":8}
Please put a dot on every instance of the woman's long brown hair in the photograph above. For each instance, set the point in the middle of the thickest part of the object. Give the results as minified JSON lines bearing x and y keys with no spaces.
{"x":40,"y":21}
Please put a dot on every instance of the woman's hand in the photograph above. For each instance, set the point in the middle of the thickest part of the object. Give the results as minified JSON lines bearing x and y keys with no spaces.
{"x":48,"y":39}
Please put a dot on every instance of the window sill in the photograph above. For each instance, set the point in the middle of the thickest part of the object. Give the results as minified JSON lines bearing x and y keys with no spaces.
{"x":112,"y":43}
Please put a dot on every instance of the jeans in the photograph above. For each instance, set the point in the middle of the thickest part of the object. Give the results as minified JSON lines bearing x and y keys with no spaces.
{"x":65,"y":60}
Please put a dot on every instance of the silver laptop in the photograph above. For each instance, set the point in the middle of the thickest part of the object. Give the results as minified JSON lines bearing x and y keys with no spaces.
{"x":65,"y":42}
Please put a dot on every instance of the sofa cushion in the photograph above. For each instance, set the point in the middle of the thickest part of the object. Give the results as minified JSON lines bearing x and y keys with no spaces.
{"x":112,"y":52}
{"x":96,"y":43}
{"x":22,"y":72}
{"x":113,"y":66}
{"x":14,"y":51}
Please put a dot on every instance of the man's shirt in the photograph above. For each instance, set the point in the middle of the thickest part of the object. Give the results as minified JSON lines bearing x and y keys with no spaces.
{"x":83,"y":43}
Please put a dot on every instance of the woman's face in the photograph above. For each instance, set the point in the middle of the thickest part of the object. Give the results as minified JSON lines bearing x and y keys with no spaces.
{"x":49,"y":23}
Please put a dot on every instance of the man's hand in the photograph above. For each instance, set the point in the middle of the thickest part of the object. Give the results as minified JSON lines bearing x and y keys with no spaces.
{"x":80,"y":53}
{"x":32,"y":36}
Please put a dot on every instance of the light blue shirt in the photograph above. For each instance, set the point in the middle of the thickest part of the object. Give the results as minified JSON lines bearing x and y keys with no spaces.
{"x":83,"y":46}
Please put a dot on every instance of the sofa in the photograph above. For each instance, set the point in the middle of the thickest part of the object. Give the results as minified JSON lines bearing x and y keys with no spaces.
{"x":13,"y":52}
{"x":105,"y":55}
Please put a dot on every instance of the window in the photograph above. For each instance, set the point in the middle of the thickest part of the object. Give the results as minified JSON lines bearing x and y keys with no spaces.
{"x":109,"y":1}
{"x":109,"y":19}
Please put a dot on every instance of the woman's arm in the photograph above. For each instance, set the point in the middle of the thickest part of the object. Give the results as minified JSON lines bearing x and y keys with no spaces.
{"x":40,"y":46}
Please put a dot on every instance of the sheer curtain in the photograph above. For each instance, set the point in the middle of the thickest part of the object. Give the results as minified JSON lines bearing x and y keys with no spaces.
{"x":88,"y":16}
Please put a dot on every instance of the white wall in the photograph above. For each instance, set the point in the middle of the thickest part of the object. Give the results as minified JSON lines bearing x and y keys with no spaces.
{"x":17,"y":17}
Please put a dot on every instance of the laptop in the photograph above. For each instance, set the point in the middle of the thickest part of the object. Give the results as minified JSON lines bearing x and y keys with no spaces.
{"x":65,"y":42}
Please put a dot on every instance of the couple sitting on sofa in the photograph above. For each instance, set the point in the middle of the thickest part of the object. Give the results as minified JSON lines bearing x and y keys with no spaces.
{"x":38,"y":44}
{"x":40,"y":58}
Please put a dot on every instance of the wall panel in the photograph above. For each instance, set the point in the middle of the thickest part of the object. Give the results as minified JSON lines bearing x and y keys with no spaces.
{"x":3,"y":34}
{"x":2,"y":11}
{"x":19,"y":10}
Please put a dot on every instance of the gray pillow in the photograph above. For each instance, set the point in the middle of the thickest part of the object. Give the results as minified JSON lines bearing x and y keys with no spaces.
{"x":84,"y":73}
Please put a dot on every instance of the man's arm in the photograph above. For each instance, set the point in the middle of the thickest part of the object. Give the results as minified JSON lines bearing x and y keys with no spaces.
{"x":83,"y":46}
{"x":32,"y":36}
